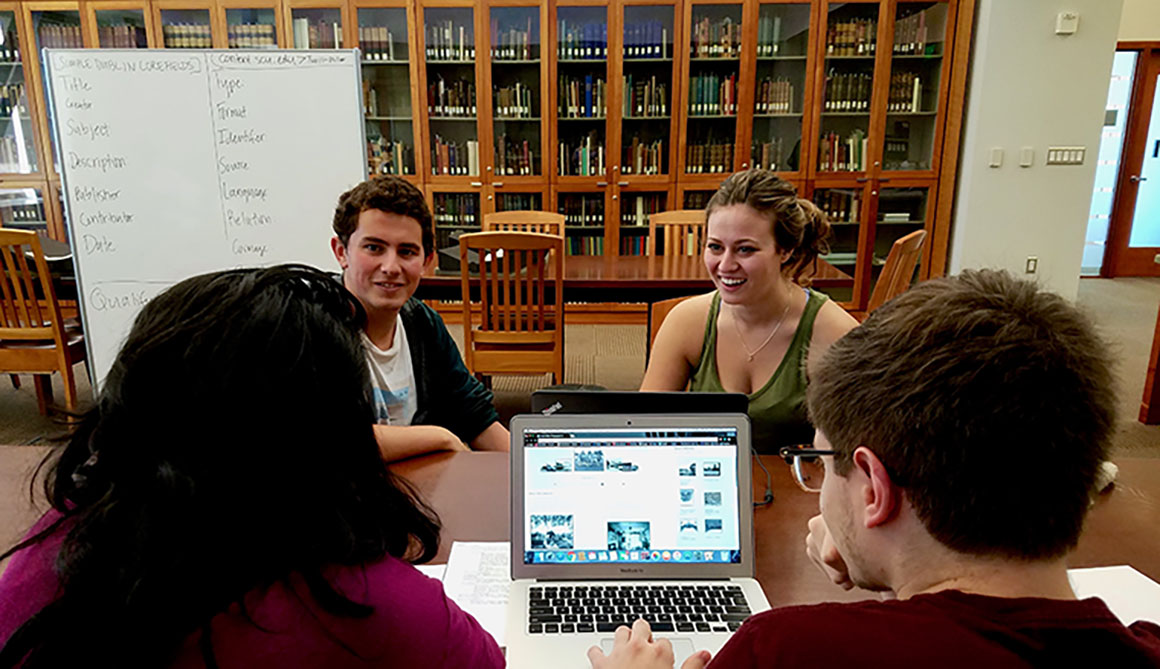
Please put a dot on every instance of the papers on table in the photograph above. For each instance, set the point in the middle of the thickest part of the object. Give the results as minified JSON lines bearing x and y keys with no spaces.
{"x":477,"y":577}
{"x":1130,"y":595}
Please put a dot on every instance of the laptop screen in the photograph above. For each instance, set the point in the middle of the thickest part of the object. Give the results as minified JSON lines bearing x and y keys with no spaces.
{"x":616,"y":495}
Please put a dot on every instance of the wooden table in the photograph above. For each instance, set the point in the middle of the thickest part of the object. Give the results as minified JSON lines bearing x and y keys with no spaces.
{"x":470,"y":493}
{"x":626,"y":279}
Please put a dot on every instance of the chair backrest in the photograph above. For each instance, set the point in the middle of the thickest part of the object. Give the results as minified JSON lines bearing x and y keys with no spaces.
{"x":898,"y":270}
{"x":684,"y":232}
{"x":543,"y":222}
{"x":516,"y":271}
{"x":28,"y":307}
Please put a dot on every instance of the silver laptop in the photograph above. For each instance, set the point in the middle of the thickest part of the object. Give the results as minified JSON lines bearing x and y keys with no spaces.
{"x":616,"y":517}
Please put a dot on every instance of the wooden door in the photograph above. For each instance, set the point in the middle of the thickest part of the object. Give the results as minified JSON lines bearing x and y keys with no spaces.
{"x":1134,"y":235}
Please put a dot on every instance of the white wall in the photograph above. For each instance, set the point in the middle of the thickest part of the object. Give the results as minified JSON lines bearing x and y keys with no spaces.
{"x":1031,"y":87}
{"x":1140,"y":20}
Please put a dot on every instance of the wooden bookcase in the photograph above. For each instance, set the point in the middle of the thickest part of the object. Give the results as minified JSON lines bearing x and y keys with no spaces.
{"x":604,"y":110}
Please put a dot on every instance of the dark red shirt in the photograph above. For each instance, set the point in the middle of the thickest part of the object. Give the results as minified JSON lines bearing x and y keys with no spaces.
{"x":947,"y":630}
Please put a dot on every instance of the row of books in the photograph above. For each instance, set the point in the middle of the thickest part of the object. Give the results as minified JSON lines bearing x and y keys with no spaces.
{"x":10,"y":160}
{"x":378,"y":44}
{"x":55,"y":36}
{"x":519,"y":202}
{"x":856,"y":37}
{"x":513,"y":43}
{"x":643,"y":157}
{"x":20,"y":213}
{"x":768,"y":35}
{"x":371,"y":106}
{"x":697,"y":199}
{"x":455,"y":99}
{"x":645,"y":98}
{"x":583,"y":98}
{"x":12,"y":98}
{"x":582,"y":157}
{"x":388,"y":156}
{"x":770,"y":155}
{"x":910,"y":35}
{"x":719,"y":38}
{"x":456,"y":209}
{"x":647,"y":39}
{"x":10,"y":49}
{"x":633,"y":245}
{"x":514,"y":156}
{"x":586,"y":41}
{"x":454,"y":158}
{"x":186,"y":36}
{"x":713,"y":94}
{"x":318,"y":34}
{"x":447,"y":41}
{"x":839,"y":153}
{"x":709,"y":157}
{"x":636,"y":207}
{"x":122,"y":37}
{"x":582,"y":210}
{"x":586,"y":245}
{"x":905,"y":92}
{"x":251,"y":36}
{"x":840,"y":206}
{"x":514,"y":101}
{"x":775,"y":96}
{"x":848,"y":91}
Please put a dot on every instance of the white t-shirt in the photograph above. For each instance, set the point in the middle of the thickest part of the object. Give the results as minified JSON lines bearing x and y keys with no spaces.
{"x":392,"y":379}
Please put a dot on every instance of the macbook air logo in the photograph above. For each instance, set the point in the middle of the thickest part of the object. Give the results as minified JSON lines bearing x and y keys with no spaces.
{"x":631,"y":570}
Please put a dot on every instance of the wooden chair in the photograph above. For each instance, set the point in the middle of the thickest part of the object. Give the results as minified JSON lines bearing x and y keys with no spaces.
{"x":898,"y":270}
{"x":34,"y":339}
{"x":543,"y":222}
{"x":656,"y":315}
{"x":520,"y":290}
{"x":684,"y":232}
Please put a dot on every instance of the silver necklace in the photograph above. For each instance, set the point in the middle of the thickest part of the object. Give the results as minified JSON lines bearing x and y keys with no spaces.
{"x":751,"y":354}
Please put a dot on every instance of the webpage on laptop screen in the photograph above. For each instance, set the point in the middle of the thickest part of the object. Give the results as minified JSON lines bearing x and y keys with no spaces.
{"x":617,"y":495}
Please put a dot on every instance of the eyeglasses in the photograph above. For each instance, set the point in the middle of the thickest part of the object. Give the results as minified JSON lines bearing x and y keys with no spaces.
{"x":806,"y":465}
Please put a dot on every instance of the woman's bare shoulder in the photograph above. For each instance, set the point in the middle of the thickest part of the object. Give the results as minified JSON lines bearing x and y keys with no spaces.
{"x":832,"y":322}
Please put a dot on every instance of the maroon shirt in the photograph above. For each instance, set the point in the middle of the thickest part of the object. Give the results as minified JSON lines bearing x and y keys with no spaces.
{"x":946,"y":629}
{"x":413,"y":625}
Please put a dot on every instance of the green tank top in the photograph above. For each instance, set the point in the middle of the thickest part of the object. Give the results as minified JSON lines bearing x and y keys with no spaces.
{"x":777,"y":410}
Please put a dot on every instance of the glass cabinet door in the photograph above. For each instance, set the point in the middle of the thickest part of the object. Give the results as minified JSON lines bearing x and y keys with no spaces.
{"x":635,"y":208}
{"x":783,"y":33}
{"x":23,"y":209}
{"x":915,"y":74}
{"x":449,"y":48}
{"x":714,"y":72}
{"x":583,"y":223}
{"x":57,"y":29}
{"x":386,"y":76}
{"x":316,"y":28}
{"x":186,"y":29}
{"x":901,"y":211}
{"x":455,"y":214}
{"x":844,"y":208}
{"x":515,"y":77}
{"x":851,"y":45}
{"x":519,"y":201}
{"x":696,"y":199}
{"x":17,"y":146}
{"x":251,"y":28}
{"x":121,"y":29}
{"x":582,"y":96}
{"x":647,"y":89}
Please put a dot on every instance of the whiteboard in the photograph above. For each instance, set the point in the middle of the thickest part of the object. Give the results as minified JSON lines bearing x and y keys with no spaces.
{"x":177,"y":163}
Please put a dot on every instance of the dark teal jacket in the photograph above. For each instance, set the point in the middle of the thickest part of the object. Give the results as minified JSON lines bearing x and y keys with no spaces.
{"x":448,"y":395}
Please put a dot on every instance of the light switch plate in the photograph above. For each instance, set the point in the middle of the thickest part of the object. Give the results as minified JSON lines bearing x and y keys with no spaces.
{"x":1026,"y":156}
{"x":996,"y":157}
{"x":1066,"y":155}
{"x":1066,"y":23}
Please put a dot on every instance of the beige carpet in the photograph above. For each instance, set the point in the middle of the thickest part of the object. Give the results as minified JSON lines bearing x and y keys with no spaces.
{"x":613,"y":356}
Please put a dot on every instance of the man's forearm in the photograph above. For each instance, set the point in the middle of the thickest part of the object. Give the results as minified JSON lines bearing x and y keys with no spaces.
{"x":397,"y":442}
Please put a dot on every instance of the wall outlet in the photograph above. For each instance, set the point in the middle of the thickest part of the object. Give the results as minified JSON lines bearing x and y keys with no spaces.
{"x":1032,"y":265}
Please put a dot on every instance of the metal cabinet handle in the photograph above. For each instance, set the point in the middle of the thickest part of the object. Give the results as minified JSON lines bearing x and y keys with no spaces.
{"x":497,"y":184}
{"x":621,"y":183}
{"x":862,"y":180}
{"x":1137,"y":179}
{"x":602,"y":184}
{"x":477,"y":184}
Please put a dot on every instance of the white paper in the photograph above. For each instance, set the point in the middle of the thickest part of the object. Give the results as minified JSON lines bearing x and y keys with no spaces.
{"x":435,"y":571}
{"x":1130,"y":595}
{"x":478,"y":579}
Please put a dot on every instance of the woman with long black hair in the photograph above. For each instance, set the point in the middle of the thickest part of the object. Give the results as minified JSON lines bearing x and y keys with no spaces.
{"x":224,"y":504}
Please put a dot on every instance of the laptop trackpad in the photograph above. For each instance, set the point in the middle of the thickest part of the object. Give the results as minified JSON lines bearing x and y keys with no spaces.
{"x":682,"y":648}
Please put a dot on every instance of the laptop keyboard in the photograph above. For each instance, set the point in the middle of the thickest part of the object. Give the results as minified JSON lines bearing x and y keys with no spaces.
{"x":568,"y":609}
